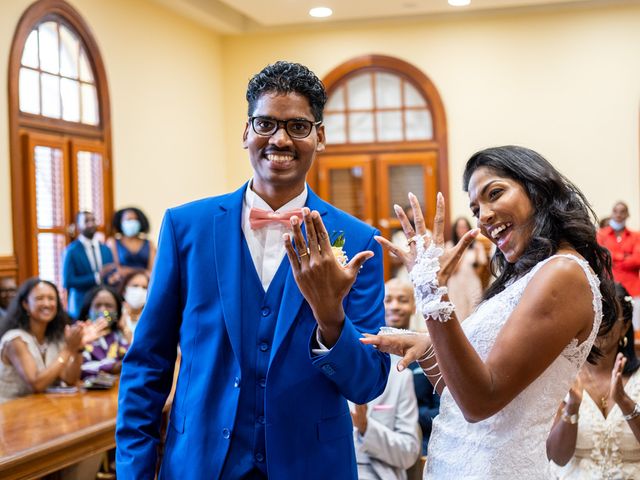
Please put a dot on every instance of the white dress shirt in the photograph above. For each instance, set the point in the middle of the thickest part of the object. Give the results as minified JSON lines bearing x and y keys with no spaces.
{"x":266,"y":244}
{"x":92,"y":249}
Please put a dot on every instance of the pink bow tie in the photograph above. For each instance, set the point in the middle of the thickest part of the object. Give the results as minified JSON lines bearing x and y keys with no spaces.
{"x":259,"y":218}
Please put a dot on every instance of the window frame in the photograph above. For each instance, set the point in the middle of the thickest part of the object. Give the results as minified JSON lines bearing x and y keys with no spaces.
{"x":23,"y":124}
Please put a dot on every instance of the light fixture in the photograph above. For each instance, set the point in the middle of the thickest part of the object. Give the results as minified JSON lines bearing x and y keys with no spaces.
{"x":459,"y":3}
{"x":320,"y":12}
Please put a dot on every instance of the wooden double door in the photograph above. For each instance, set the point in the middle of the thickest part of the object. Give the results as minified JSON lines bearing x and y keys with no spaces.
{"x":368,"y":185}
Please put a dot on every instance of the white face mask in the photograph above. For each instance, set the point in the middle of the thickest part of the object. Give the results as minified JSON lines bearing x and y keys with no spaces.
{"x":135,"y":297}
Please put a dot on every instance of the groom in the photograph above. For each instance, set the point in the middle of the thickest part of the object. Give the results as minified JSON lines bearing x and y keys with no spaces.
{"x":265,"y":373}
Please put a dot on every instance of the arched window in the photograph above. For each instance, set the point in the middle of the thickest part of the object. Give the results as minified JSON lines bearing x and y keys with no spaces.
{"x":386,"y":136}
{"x":60,"y":134}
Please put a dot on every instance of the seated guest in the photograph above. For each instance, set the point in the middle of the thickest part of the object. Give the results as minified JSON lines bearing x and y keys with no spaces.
{"x":597,"y":429}
{"x":7,"y":292}
{"x":38,"y":347}
{"x":399,"y":306}
{"x":130,"y":247}
{"x":134,"y":292}
{"x":105,"y":354}
{"x":86,"y":263}
{"x":385,"y":430}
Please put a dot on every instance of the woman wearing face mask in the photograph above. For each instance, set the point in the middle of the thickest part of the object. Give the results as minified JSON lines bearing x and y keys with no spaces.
{"x":596,"y":433}
{"x":105,"y":354}
{"x":134,"y":291}
{"x":38,"y":347}
{"x":624,"y":245}
{"x":131,"y":249}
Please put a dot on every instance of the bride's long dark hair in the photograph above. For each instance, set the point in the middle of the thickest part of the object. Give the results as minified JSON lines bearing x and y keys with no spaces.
{"x":561,"y":214}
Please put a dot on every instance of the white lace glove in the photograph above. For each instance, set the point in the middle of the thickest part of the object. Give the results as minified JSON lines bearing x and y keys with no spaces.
{"x":424,"y":276}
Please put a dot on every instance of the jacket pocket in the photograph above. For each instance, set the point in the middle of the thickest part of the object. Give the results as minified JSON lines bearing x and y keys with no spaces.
{"x":335,"y":427}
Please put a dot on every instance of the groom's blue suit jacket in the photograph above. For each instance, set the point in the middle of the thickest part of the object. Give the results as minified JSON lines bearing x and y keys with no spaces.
{"x":194,"y":302}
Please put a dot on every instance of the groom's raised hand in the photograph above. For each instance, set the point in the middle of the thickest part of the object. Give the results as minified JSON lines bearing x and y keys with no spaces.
{"x":323,"y":281}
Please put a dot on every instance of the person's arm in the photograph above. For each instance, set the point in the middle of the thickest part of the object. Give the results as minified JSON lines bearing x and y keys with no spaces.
{"x":71,"y":278}
{"x":399,"y":445}
{"x":111,"y":243}
{"x":561,"y":443}
{"x":632,"y":261}
{"x":152,"y":256}
{"x":345,"y":301}
{"x":147,"y":369}
{"x":629,"y":407}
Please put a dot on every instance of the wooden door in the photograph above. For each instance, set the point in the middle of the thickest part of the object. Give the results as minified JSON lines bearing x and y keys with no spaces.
{"x":47,"y":189}
{"x":398,"y":174}
{"x":347,"y":182}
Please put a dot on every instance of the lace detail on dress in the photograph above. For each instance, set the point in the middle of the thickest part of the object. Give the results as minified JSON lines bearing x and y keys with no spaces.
{"x":512,"y":443}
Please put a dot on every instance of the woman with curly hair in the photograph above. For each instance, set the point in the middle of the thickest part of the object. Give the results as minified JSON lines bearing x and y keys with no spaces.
{"x":38,"y":347}
{"x":130,"y":246}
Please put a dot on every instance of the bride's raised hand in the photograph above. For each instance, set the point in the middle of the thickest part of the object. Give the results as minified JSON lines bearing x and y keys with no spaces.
{"x":449,"y":260}
{"x":409,"y":347}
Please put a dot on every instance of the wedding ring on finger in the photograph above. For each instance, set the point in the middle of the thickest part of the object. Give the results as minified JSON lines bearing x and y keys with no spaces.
{"x":412,"y":240}
{"x":305,"y":253}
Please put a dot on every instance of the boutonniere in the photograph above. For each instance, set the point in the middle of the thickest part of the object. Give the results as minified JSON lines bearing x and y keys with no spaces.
{"x":336,"y":247}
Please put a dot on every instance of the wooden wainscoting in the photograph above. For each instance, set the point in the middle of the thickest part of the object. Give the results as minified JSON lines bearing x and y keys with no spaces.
{"x":8,"y":266}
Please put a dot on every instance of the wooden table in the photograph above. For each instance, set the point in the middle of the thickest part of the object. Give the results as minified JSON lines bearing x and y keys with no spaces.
{"x":41,"y":434}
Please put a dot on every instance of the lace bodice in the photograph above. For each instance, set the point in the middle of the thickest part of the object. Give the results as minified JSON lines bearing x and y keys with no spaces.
{"x":606,"y":448}
{"x":511,"y":443}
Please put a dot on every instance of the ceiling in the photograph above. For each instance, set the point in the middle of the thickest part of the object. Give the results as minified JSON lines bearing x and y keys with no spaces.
{"x":241,"y":16}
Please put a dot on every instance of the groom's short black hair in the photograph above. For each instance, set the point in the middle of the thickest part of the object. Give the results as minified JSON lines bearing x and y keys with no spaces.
{"x":286,"y":77}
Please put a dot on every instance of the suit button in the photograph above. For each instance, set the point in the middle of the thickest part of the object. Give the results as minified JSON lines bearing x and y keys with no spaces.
{"x":262,"y":382}
{"x":261,"y":419}
{"x":236,"y":382}
{"x":266,"y":311}
{"x":264,"y":346}
{"x":259,"y":457}
{"x":226,"y":433}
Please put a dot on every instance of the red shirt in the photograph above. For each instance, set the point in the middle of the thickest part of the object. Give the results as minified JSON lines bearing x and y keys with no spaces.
{"x":625,"y":257}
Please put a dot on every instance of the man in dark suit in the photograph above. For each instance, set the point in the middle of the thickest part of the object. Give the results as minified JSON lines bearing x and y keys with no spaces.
{"x":86,"y":262}
{"x":265,"y":369}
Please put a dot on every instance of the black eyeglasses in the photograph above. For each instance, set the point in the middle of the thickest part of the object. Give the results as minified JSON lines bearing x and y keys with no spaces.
{"x":295,"y":127}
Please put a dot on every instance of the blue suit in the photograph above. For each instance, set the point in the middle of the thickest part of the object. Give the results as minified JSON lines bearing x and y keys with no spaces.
{"x":77,"y":276}
{"x":196,"y":300}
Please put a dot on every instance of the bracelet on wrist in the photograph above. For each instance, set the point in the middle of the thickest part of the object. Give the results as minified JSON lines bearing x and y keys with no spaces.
{"x":570,"y":419}
{"x":635,"y":413}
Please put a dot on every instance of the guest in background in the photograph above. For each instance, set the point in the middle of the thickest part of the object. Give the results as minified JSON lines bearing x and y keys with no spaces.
{"x":87,"y":262}
{"x":130,"y":247}
{"x":597,"y":428}
{"x":134,"y":292}
{"x":38,"y":347}
{"x":624,"y":245}
{"x":399,"y":307}
{"x":8,"y":290}
{"x":105,"y":354}
{"x":465,"y":286}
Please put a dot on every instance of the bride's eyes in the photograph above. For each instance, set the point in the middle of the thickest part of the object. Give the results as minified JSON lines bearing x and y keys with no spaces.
{"x":495,"y":193}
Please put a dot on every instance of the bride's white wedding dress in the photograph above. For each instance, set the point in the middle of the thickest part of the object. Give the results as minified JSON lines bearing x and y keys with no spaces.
{"x":512,"y":443}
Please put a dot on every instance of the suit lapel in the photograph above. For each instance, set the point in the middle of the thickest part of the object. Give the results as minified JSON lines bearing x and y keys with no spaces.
{"x":291,"y":296}
{"x":228,"y":246}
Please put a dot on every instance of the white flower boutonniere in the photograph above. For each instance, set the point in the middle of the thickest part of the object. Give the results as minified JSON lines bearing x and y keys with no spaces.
{"x":338,"y":251}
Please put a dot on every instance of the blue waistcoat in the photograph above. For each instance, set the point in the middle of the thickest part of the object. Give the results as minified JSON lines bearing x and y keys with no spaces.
{"x":258,"y":323}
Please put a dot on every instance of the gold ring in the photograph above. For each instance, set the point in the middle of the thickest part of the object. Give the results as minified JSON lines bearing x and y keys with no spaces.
{"x":411,"y":240}
{"x":304,"y":254}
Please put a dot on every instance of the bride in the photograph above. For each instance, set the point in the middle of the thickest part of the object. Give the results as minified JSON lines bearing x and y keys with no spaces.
{"x":503,"y":372}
